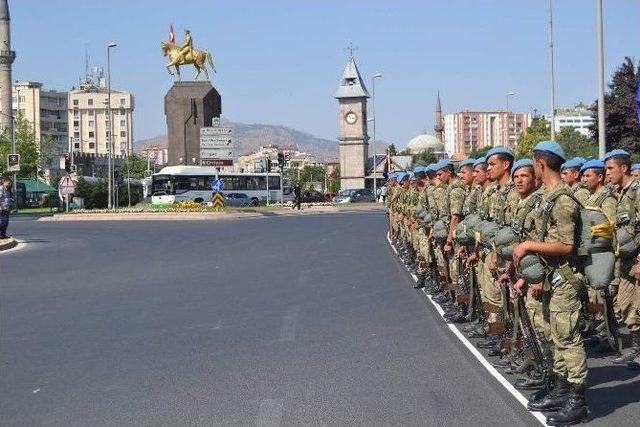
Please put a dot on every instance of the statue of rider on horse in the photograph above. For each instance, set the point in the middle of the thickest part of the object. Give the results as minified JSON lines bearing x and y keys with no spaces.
{"x":185,"y":54}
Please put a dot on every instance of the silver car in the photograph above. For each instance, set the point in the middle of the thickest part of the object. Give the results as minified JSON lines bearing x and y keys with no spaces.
{"x":237,"y":199}
{"x":355,"y":196}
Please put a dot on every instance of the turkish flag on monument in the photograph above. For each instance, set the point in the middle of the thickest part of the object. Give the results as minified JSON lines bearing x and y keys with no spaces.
{"x":172,"y":37}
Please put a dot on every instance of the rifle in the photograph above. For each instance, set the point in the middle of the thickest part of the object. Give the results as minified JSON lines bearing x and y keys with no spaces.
{"x":530,"y":342}
{"x":610,"y":323}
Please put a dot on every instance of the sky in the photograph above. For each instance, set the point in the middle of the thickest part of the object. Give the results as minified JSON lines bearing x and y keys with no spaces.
{"x":280,"y":62}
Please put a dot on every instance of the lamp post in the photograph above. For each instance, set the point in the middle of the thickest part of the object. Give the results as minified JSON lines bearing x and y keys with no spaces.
{"x":602,"y":141}
{"x":552,"y":127}
{"x":373,"y":113}
{"x":110,"y":140}
{"x":508,"y":134}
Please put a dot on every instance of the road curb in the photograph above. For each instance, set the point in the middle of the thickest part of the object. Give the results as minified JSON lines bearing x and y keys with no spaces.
{"x":8,"y":244}
{"x":201,"y":216}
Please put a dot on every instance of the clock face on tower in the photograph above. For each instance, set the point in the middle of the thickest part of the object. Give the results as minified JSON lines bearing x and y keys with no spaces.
{"x":351,"y":117}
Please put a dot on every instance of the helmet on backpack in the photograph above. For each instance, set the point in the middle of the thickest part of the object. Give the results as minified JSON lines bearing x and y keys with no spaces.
{"x":531,"y":269}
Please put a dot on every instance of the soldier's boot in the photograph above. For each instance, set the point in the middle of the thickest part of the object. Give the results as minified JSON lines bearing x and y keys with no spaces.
{"x":634,"y":364}
{"x":458,"y":315}
{"x":480,"y":332}
{"x":553,"y":400}
{"x":634,"y":352}
{"x":574,"y":410}
{"x":420,"y":283}
{"x":490,"y":342}
{"x":472,"y":325}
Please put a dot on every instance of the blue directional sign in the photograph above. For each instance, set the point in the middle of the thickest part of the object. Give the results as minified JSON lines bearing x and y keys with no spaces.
{"x":217,"y":185}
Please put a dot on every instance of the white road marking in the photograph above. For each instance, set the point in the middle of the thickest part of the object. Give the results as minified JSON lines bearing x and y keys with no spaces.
{"x":270,"y":413}
{"x":492,"y":370}
{"x":288,"y":329}
{"x":35,"y":391}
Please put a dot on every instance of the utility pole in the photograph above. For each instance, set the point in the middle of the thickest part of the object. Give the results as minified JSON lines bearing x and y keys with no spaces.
{"x":602,"y":136}
{"x":552,"y":126}
{"x":110,"y":139}
{"x":373,"y":113}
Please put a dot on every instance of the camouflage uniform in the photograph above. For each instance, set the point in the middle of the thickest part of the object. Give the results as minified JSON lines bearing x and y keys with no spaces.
{"x":457,"y":194}
{"x":441,"y":201}
{"x":627,"y":299}
{"x":487,"y":289}
{"x":580,"y":192}
{"x":569,"y":357}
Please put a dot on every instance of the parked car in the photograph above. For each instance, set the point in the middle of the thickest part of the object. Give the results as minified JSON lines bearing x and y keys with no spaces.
{"x":355,"y":196}
{"x":311,"y":196}
{"x":237,"y":199}
{"x":162,"y":198}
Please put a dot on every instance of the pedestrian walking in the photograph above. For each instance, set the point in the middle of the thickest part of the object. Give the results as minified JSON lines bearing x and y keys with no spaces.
{"x":6,"y":201}
{"x":383,"y":193}
{"x":297,"y":193}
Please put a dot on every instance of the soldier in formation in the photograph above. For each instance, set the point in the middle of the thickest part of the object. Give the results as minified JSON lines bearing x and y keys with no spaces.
{"x":537,"y":257}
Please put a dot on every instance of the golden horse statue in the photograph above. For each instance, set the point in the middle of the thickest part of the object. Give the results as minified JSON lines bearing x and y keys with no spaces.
{"x":198,"y":58}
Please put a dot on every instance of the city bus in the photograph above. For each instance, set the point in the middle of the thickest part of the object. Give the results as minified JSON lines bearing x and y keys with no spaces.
{"x":182,"y":183}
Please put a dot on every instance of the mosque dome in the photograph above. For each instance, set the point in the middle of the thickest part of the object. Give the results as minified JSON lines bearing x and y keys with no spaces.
{"x":424,"y":142}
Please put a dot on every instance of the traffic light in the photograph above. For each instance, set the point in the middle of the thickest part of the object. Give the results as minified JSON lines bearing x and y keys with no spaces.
{"x":67,"y":163}
{"x":268,"y":165}
{"x":281,"y":160}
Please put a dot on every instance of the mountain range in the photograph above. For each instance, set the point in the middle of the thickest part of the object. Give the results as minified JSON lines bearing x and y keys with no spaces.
{"x":249,"y":138}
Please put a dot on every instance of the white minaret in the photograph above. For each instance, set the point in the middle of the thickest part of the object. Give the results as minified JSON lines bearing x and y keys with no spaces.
{"x":7,"y":56}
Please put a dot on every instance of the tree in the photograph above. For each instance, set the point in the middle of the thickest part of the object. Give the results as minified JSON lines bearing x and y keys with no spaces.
{"x":538,"y":131}
{"x":306,"y":175}
{"x":135,"y":166}
{"x":620,"y":114}
{"x":576,"y":144}
{"x":424,"y":158}
{"x":32,"y":158}
{"x":334,"y":180}
{"x":392,"y":150}
{"x":479,"y":152}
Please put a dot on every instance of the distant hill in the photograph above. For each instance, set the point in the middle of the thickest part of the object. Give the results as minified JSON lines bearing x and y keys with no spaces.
{"x":249,"y":138}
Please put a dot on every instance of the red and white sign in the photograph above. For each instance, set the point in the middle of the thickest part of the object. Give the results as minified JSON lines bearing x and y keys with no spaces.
{"x":66,"y":186}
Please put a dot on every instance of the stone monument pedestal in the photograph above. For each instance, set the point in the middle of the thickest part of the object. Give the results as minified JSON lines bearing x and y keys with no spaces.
{"x":188,"y":106}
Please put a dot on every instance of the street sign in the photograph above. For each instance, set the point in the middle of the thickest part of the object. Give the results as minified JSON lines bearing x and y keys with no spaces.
{"x":13,"y":162}
{"x":216,"y":153}
{"x":211,"y":137}
{"x":216,"y":162}
{"x":217,"y":185}
{"x":217,"y":200}
{"x":66,"y":186}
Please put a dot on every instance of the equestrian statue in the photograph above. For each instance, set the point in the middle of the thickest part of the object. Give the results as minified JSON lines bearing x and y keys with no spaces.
{"x":185,"y":54}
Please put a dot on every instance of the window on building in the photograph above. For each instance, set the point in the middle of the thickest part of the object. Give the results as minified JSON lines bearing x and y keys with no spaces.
{"x":91,"y":112}
{"x":123,"y":133}
{"x":122,"y":101}
{"x":122,"y":112}
{"x":76,"y":145}
{"x":75,"y":102}
{"x":91,"y":134}
{"x":92,"y":145}
{"x":90,"y":101}
{"x":123,"y":123}
{"x":76,"y":123}
{"x":92,"y":123}
{"x":76,"y":134}
{"x":107,"y":133}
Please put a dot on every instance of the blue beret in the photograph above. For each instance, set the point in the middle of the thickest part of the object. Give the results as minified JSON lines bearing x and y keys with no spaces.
{"x":574,"y":163}
{"x":616,"y":152}
{"x":592,"y":164}
{"x":499,"y":150}
{"x":635,"y":166}
{"x":480,"y":161}
{"x":467,"y":162}
{"x":419,"y":169}
{"x":412,"y":176}
{"x":401,"y":176}
{"x":391,"y":176}
{"x":550,"y":147}
{"x":521,"y":164}
{"x":444,"y":163}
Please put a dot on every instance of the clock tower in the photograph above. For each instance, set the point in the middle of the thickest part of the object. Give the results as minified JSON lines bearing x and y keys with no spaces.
{"x":353,"y":138}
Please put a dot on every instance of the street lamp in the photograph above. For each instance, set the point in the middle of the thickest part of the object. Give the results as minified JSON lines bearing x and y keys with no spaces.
{"x":508,"y":135}
{"x":110,"y":141}
{"x":602,"y":142}
{"x":373,"y":113}
{"x":552,"y":127}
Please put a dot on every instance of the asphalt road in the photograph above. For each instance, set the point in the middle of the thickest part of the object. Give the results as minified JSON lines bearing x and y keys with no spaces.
{"x":306,"y":320}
